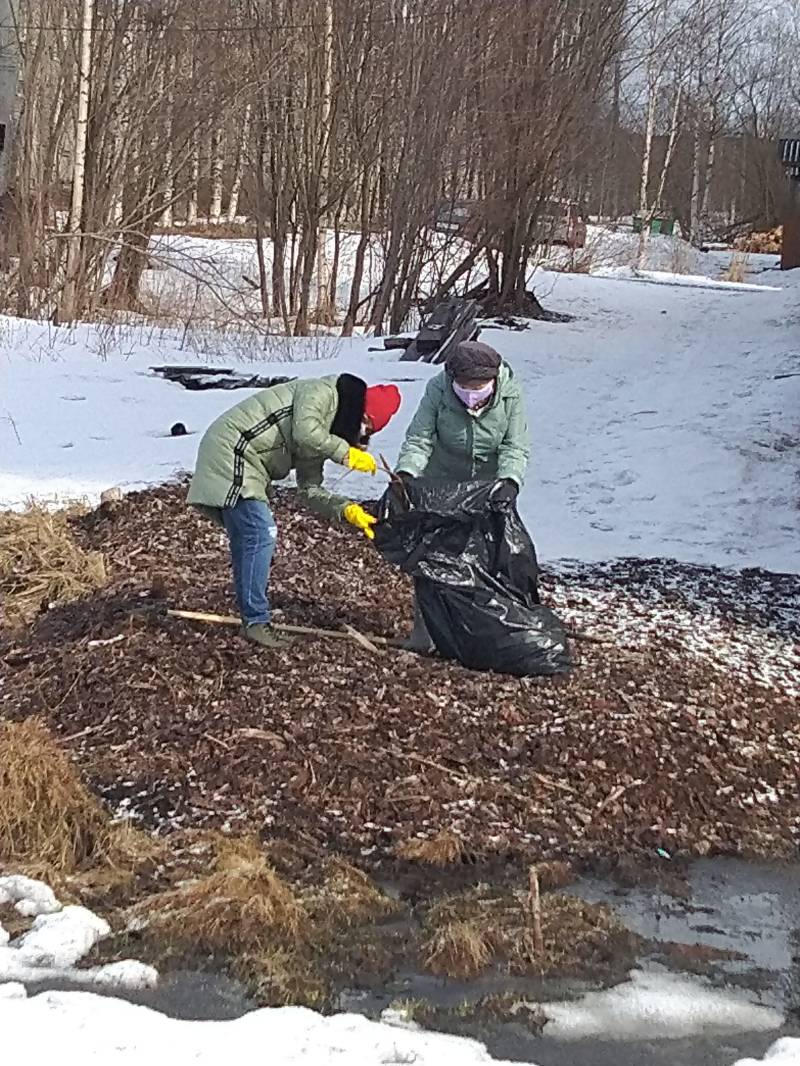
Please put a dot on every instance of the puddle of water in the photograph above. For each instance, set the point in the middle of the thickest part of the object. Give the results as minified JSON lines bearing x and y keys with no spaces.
{"x":733,"y":906}
{"x":185,"y":994}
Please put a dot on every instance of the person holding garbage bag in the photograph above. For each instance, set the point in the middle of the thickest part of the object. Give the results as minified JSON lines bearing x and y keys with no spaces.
{"x":470,"y":426}
{"x":295,"y":425}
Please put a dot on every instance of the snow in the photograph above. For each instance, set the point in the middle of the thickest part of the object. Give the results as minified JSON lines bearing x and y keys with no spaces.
{"x":30,"y":898}
{"x":785,"y":1052}
{"x":127,"y":974}
{"x":12,"y":990}
{"x":81,"y":1027}
{"x":58,"y":939}
{"x":658,"y":427}
{"x":657,"y":1006}
{"x":690,"y":281}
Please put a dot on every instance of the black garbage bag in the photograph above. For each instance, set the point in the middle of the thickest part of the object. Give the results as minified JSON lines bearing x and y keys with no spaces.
{"x":476,"y":577}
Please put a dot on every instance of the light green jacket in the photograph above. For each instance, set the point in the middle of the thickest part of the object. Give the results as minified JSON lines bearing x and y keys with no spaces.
{"x":260,"y":440}
{"x":445,"y":440}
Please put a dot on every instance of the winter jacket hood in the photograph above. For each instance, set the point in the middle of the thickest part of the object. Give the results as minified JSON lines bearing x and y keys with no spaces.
{"x":445,"y":440}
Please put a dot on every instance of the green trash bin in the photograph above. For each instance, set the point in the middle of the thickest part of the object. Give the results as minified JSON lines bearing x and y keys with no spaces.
{"x":665,"y":226}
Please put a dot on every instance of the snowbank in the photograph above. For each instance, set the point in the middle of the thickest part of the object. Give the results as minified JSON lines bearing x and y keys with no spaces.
{"x":67,"y":1027}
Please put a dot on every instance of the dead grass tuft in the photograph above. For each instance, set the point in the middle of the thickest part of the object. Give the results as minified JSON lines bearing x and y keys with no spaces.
{"x":468,"y":933}
{"x":41,"y":563}
{"x":444,"y":849}
{"x":458,"y":949}
{"x":241,"y":906}
{"x":280,"y":978}
{"x":48,"y":818}
{"x":348,"y":896}
{"x":53,"y":828}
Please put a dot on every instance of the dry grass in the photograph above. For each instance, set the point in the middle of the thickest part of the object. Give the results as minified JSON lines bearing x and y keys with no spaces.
{"x":465,"y":935}
{"x":52,"y":828}
{"x":241,"y":906}
{"x":41,"y":563}
{"x":349,"y":897}
{"x":737,"y":270}
{"x":48,"y":818}
{"x":281,"y":978}
{"x":458,"y":949}
{"x":444,"y":849}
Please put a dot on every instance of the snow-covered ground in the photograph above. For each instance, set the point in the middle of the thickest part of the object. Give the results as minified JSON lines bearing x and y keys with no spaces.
{"x":657,"y":422}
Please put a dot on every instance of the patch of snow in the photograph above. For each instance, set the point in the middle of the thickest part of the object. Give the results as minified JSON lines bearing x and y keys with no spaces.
{"x":4,"y":936}
{"x":57,"y":941}
{"x":127,"y":974}
{"x":691,"y":281}
{"x":60,"y":940}
{"x":657,"y":1006}
{"x":13,"y":990}
{"x":785,"y":1052}
{"x":79,"y":1026}
{"x":30,"y":898}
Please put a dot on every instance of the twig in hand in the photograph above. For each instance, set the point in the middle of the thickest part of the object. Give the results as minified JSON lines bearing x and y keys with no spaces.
{"x":395,"y":479}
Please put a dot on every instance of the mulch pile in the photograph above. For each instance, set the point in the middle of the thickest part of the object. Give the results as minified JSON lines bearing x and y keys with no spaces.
{"x":652,"y":743}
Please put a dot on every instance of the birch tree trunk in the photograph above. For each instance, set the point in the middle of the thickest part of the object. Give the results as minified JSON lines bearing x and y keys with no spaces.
{"x":69,"y":296}
{"x":216,"y":174}
{"x":194,"y":181}
{"x":326,"y":309}
{"x":238,"y":176}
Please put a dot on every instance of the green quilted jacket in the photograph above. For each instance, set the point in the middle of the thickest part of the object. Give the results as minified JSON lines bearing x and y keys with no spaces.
{"x":260,"y":440}
{"x":445,"y":440}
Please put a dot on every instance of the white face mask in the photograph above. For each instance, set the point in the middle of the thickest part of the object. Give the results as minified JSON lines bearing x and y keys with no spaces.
{"x":473,"y":398}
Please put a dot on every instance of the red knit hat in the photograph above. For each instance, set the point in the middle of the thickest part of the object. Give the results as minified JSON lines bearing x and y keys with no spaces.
{"x":380,"y":403}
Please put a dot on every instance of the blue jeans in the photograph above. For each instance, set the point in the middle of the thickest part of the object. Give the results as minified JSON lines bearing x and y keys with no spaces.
{"x":252,"y":534}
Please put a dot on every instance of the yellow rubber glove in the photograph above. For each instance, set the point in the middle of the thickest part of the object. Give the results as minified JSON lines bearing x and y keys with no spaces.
{"x":361,"y":519}
{"x":361,"y":461}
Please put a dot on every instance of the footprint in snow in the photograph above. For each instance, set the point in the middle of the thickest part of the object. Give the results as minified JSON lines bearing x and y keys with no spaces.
{"x":73,"y":399}
{"x":625,"y":477}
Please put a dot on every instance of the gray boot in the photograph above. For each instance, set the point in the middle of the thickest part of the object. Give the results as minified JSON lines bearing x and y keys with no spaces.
{"x":420,"y":640}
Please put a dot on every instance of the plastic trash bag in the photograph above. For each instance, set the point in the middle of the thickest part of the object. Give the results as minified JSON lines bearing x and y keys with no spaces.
{"x":475,"y":573}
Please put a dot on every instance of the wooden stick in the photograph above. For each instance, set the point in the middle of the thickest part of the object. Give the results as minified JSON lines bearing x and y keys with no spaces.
{"x":349,"y":633}
{"x":536,"y":911}
{"x":395,"y":479}
{"x":359,"y":638}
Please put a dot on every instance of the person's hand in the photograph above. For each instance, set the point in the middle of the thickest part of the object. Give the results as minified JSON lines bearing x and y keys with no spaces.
{"x":361,"y":519}
{"x":361,"y":461}
{"x":503,"y":494}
